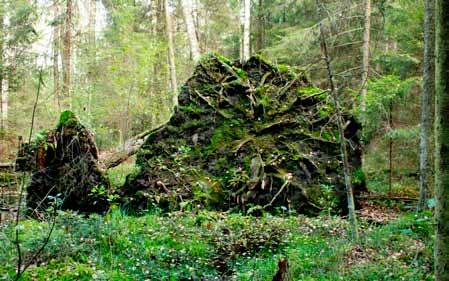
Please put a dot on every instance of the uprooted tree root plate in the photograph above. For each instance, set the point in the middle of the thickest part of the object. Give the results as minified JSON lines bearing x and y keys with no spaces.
{"x":65,"y":169}
{"x":249,"y":136}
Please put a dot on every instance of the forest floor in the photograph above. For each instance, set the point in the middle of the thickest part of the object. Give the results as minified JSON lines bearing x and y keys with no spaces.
{"x":218,"y":246}
{"x":395,"y":244}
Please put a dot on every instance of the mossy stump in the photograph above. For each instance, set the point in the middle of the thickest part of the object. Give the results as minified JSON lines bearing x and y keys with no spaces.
{"x":65,"y":169}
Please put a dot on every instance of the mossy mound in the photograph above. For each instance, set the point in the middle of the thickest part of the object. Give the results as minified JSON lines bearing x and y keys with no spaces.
{"x":65,"y":169}
{"x":244,"y":136}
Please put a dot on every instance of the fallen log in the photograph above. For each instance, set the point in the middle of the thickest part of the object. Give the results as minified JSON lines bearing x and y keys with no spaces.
{"x":130,"y":148}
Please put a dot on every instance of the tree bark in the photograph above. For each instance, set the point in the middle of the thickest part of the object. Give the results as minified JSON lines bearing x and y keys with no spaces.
{"x":260,"y":42}
{"x":67,"y":54}
{"x":390,"y":148}
{"x":191,"y":30}
{"x":128,"y":149}
{"x":246,"y":51}
{"x":442,"y":143}
{"x":3,"y":72}
{"x":366,"y":55}
{"x":171,"y":53}
{"x":56,"y":48}
{"x":5,"y":94}
{"x":427,"y":100}
{"x":92,"y":72}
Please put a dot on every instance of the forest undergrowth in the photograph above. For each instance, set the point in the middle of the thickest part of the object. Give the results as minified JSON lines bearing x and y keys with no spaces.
{"x":206,"y":245}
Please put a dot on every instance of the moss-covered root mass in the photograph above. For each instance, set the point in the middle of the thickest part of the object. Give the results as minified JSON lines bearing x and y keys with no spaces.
{"x":251,"y":136}
{"x":65,"y":169}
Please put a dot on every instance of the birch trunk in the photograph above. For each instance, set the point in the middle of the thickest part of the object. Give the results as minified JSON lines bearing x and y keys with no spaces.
{"x":191,"y":30}
{"x":171,"y":53}
{"x":427,"y":99}
{"x":442,"y":143}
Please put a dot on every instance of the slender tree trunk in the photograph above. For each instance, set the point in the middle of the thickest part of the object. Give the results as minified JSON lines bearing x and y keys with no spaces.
{"x":343,"y":148}
{"x":261,"y":26}
{"x":442,"y":143}
{"x":171,"y":53}
{"x":92,"y":21}
{"x":159,"y":70}
{"x":152,"y":88}
{"x":3,"y":101}
{"x":56,"y":48}
{"x":241,"y":16}
{"x":92,"y":71}
{"x":191,"y":30}
{"x":67,"y":54}
{"x":427,"y":101}
{"x":246,"y":46}
{"x":366,"y":54}
{"x":390,"y":148}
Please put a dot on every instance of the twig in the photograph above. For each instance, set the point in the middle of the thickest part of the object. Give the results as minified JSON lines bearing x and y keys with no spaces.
{"x":17,"y":220}
{"x":287,"y":181}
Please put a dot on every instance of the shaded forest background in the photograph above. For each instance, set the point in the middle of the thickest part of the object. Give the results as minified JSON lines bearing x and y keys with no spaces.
{"x":108,"y":61}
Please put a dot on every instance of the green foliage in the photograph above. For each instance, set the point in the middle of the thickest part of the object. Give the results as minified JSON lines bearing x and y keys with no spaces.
{"x":402,"y":133}
{"x":327,"y":200}
{"x":382,"y":94}
{"x":409,"y":15}
{"x":358,"y":177}
{"x":209,"y":245}
{"x":117,"y":175}
{"x":402,"y":65}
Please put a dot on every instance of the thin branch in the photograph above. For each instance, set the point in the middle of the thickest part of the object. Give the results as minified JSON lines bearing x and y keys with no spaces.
{"x":17,"y":220}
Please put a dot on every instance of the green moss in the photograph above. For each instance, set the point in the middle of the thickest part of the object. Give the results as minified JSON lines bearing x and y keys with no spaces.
{"x":241,"y":73}
{"x":194,"y":123}
{"x":191,"y":108}
{"x":67,"y":118}
{"x":41,"y":136}
{"x":286,"y":70}
{"x":311,"y":91}
{"x":225,"y":134}
{"x":326,"y":110}
{"x":223,"y":59}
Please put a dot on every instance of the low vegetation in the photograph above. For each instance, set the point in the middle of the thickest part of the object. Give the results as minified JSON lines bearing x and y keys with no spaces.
{"x":221,"y":246}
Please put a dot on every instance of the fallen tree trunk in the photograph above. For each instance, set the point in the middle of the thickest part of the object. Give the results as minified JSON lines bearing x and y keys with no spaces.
{"x":130,"y":148}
